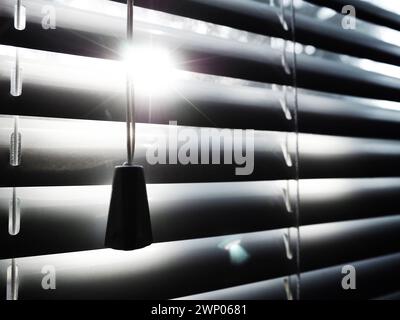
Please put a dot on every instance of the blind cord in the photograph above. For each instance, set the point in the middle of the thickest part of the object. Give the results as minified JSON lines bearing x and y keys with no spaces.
{"x":297,"y":153}
{"x":130,"y":91}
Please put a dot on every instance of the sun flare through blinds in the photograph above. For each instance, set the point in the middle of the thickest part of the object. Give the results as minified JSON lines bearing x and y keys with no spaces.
{"x":268,"y":131}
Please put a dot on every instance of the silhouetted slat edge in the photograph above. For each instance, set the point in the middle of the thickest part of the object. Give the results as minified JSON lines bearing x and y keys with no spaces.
{"x":390,"y":296}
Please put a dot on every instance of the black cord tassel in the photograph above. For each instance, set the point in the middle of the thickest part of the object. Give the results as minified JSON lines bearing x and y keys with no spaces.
{"x":129,"y":224}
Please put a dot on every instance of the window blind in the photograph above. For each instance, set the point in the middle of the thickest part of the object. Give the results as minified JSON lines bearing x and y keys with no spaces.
{"x":321,"y":191}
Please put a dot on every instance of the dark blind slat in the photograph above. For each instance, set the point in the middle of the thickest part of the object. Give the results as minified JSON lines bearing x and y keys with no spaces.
{"x":84,"y":153}
{"x":209,"y":55}
{"x":263,"y":19}
{"x":377,"y":236}
{"x":366,"y":11}
{"x":192,"y":102}
{"x":63,"y":219}
{"x":237,"y":224}
{"x":175,"y":269}
{"x":374,"y":276}
{"x":183,"y":268}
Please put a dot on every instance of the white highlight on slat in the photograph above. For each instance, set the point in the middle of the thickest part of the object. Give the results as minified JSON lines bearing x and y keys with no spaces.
{"x":286,"y":236}
{"x":14,"y":214}
{"x":285,"y":150}
{"x":16,"y":76}
{"x":286,"y":190}
{"x":19,"y":16}
{"x":282,"y":18}
{"x":283,"y":91}
{"x":12,"y":281}
{"x":284,"y":61}
{"x":288,"y":289}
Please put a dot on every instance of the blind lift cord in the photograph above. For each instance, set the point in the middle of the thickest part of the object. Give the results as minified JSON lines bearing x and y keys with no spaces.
{"x":130,"y":92}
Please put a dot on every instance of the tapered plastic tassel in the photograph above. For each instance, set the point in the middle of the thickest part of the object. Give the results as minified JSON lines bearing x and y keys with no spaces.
{"x":129,"y":224}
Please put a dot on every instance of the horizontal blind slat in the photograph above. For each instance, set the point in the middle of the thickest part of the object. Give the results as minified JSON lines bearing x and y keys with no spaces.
{"x":187,"y":267}
{"x":175,"y":268}
{"x":85,"y":153}
{"x":71,"y":152}
{"x":190,"y":102}
{"x":210,"y":55}
{"x":366,"y":11}
{"x":341,"y":242}
{"x":245,"y":15}
{"x":374,"y":276}
{"x":264,"y":19}
{"x":63,"y":219}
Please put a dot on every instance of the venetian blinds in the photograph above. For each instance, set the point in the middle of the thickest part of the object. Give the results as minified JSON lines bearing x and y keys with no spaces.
{"x":268,"y":133}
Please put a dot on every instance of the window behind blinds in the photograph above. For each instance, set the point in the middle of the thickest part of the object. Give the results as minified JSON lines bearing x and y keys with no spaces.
{"x":317,"y":193}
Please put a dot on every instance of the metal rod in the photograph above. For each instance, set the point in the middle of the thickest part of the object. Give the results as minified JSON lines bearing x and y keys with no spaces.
{"x":130,"y":91}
